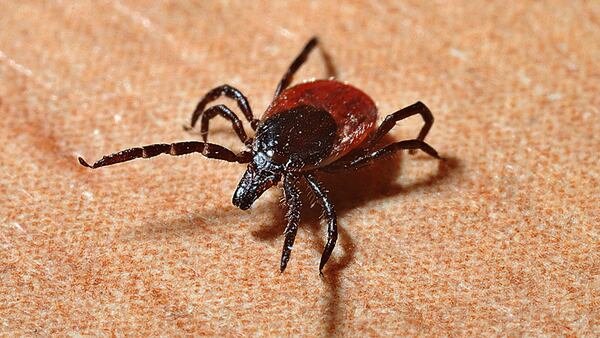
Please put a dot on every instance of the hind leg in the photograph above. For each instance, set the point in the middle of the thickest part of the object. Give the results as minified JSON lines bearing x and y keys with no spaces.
{"x":390,"y":122}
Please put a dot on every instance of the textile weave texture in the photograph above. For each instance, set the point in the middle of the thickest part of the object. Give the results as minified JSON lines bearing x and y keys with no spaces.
{"x":503,"y":238}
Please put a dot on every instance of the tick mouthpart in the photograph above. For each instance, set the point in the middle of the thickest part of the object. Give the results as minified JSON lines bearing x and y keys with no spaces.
{"x":242,"y":199}
{"x":252,"y":185}
{"x":241,"y":204}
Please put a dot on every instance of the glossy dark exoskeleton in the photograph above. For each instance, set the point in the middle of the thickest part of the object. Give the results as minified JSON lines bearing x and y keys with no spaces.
{"x":322,"y":125}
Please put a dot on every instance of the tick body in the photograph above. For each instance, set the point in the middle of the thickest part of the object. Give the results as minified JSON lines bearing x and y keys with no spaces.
{"x":312,"y":127}
{"x":348,"y":112}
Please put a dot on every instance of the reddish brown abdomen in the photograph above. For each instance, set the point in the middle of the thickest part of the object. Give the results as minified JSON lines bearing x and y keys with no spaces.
{"x":354,"y":111}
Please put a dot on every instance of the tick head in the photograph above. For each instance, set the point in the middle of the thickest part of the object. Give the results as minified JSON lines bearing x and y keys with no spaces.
{"x":260,"y":175}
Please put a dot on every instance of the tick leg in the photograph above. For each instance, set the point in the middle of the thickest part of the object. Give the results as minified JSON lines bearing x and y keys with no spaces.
{"x":231,"y":93}
{"x":292,"y":199}
{"x":366,"y":157}
{"x":222,"y":110}
{"x":390,"y":121}
{"x":298,"y":61}
{"x":180,"y":148}
{"x":332,"y":232}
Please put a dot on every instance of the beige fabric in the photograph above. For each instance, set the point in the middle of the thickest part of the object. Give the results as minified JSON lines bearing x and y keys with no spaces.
{"x":503,"y":239}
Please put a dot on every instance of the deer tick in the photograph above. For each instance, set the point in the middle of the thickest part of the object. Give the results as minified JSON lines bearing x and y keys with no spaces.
{"x":316,"y":126}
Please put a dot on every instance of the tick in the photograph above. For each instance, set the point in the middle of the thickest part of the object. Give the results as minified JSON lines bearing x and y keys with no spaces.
{"x":317,"y":126}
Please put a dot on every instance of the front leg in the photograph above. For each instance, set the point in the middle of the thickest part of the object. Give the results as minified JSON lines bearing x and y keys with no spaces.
{"x":174,"y":149}
{"x":332,"y":232}
{"x":292,"y":199}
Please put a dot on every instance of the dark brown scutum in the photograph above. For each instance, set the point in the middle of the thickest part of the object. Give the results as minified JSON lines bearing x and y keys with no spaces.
{"x":298,"y":138}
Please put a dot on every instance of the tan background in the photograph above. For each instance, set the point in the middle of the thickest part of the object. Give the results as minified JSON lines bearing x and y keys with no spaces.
{"x":503,"y":239}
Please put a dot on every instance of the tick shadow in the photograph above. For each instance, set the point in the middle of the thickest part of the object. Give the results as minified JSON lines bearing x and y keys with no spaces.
{"x":347,"y":191}
{"x":209,"y":222}
{"x":352,"y":190}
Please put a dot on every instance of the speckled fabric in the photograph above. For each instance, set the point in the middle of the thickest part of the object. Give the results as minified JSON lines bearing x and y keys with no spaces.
{"x":501,"y":239}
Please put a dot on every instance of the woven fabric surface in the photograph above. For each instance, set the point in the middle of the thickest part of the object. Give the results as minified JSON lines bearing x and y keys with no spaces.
{"x":503,"y":238}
